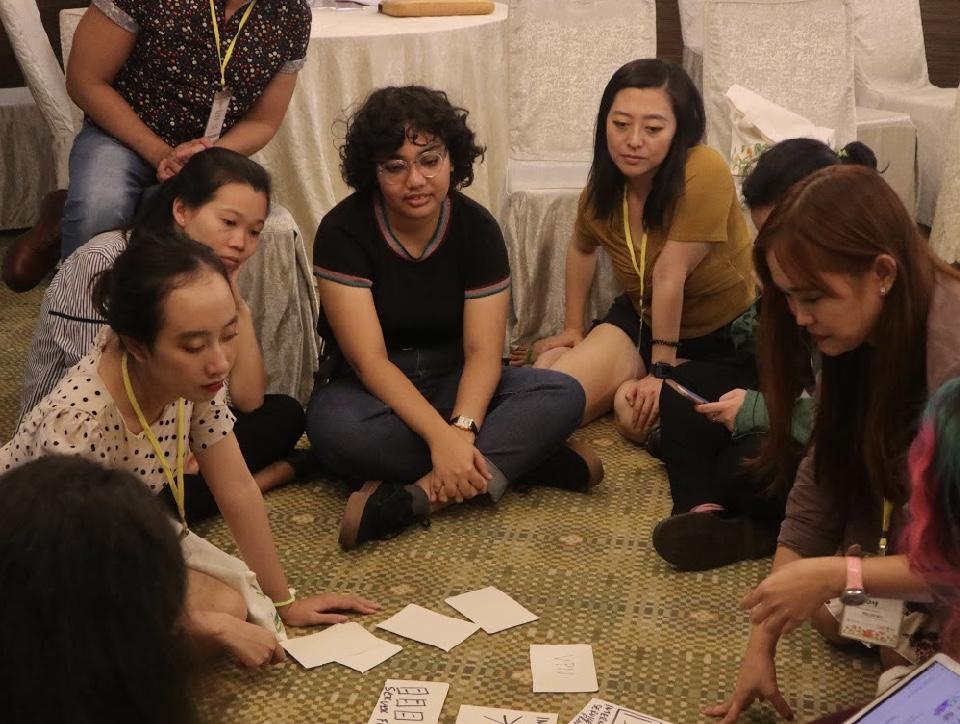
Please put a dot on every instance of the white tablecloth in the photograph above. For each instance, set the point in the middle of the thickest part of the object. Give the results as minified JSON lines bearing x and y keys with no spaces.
{"x":27,"y":166}
{"x":353,"y":52}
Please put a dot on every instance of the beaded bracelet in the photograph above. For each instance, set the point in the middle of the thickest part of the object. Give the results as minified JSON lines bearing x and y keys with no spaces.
{"x":664,"y":343}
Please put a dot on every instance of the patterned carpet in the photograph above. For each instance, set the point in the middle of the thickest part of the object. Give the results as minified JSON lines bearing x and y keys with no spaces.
{"x":664,"y":643}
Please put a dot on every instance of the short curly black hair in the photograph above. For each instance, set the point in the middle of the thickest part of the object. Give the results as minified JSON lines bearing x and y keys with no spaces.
{"x":391,"y":115}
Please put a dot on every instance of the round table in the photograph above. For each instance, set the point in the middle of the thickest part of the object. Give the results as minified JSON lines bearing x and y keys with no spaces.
{"x":353,"y":52}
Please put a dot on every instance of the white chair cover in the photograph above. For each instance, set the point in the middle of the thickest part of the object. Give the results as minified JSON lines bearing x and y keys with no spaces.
{"x":945,"y":236}
{"x":21,"y":20}
{"x":796,"y":53}
{"x":562,"y":52}
{"x":893,"y":138}
{"x":891,"y":74}
{"x":277,"y":284}
{"x":691,"y":27}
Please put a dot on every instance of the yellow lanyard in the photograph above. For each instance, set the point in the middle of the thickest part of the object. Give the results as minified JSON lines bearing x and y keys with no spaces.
{"x":176,"y":483}
{"x":887,"y":516}
{"x":224,"y":58}
{"x":642,"y":266}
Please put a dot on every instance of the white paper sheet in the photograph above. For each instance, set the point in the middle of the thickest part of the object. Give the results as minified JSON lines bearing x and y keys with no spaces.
{"x":563,"y":668}
{"x":428,"y":627}
{"x":598,"y":711}
{"x":484,"y":715}
{"x":366,"y":660}
{"x":324,"y":647}
{"x":493,"y":609}
{"x":400,"y":700}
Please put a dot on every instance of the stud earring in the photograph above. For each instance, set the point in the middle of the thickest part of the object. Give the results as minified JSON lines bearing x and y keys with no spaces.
{"x":883,"y":291}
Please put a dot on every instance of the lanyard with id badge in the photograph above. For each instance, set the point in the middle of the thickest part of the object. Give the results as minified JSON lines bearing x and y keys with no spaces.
{"x":223,"y":97}
{"x":874,"y":621}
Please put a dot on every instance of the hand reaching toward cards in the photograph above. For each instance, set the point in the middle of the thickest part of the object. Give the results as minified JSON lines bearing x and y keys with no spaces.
{"x":171,"y":164}
{"x":252,"y":645}
{"x":794,"y":592}
{"x":325,"y":608}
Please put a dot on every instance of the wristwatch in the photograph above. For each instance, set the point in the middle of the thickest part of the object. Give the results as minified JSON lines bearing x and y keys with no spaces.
{"x":662,"y":370}
{"x":853,"y":594}
{"x":465,"y":423}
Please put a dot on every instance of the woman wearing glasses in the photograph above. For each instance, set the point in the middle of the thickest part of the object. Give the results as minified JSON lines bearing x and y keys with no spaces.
{"x":414,"y":282}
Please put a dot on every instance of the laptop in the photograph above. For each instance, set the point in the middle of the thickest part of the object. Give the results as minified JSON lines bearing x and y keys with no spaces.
{"x":929,"y":695}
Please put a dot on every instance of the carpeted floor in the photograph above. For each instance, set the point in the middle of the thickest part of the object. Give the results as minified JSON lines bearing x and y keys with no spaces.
{"x":664,"y":643}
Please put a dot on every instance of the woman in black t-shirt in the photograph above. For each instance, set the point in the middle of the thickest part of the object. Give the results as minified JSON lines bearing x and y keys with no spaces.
{"x":414,"y":282}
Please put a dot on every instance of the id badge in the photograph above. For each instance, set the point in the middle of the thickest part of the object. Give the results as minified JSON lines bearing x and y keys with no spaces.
{"x":218,"y":114}
{"x":876,"y":621}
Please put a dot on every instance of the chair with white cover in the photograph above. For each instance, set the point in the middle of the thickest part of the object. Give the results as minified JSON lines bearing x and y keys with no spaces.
{"x":691,"y":28}
{"x":891,"y":75}
{"x":562,"y":53}
{"x":945,"y":235}
{"x":799,"y":55}
{"x":276,"y":282}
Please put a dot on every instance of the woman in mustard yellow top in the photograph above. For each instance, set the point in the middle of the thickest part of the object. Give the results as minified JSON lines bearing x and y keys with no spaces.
{"x":660,"y":201}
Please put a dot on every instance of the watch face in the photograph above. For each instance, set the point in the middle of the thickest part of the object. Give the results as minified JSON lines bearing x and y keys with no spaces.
{"x":854,"y":597}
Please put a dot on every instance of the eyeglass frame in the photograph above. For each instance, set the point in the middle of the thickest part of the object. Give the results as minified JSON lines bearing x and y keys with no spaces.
{"x":408,"y":165}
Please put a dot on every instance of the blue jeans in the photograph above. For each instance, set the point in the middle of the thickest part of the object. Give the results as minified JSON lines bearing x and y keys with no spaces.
{"x":358,"y":437}
{"x":106,"y":181}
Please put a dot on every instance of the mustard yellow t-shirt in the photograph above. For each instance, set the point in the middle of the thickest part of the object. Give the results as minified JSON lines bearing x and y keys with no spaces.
{"x":721,"y":287}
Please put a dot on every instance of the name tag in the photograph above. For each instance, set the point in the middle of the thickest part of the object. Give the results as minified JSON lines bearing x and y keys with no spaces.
{"x":218,"y":114}
{"x":876,"y":621}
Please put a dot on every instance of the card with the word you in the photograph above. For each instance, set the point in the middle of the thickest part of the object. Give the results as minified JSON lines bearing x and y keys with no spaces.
{"x":493,"y":609}
{"x":563,"y":668}
{"x":401,"y":700}
{"x":598,"y":711}
{"x":428,"y":627}
{"x":485,"y":715}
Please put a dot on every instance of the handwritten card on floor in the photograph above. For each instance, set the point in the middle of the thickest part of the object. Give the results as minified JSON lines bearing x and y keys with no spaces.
{"x":366,"y":660}
{"x":324,"y":647}
{"x":484,"y":715}
{"x":598,"y":711}
{"x":406,"y":701}
{"x":563,"y":668}
{"x":493,"y":609}
{"x":428,"y":627}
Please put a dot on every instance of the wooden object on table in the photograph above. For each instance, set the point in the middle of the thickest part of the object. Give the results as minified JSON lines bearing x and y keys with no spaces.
{"x":424,"y":8}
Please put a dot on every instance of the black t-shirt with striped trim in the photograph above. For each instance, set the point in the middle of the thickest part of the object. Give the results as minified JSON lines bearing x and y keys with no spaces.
{"x":419,"y":301}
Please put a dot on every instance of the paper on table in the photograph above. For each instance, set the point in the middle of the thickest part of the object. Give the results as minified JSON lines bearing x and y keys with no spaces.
{"x":366,"y":660}
{"x":598,"y":710}
{"x":324,"y":647}
{"x":428,"y":627}
{"x":484,"y":715}
{"x":564,"y":668}
{"x":400,"y":700}
{"x":493,"y":609}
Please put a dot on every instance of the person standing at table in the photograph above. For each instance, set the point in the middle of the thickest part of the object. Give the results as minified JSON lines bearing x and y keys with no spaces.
{"x":159,"y":81}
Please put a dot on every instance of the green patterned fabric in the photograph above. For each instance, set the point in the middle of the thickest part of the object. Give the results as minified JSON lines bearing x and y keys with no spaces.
{"x":664,"y":642}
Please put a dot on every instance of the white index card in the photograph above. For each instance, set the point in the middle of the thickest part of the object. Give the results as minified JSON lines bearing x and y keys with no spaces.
{"x":563,"y":668}
{"x":428,"y":627}
{"x":324,"y":647}
{"x":598,"y":711}
{"x":419,"y":701}
{"x":493,"y":609}
{"x":366,"y":660}
{"x":484,"y":715}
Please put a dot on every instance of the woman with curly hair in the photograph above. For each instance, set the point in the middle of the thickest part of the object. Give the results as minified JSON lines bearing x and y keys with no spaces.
{"x":414,"y":282}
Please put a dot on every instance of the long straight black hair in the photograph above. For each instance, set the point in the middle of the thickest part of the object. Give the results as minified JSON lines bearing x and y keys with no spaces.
{"x":605,"y":183}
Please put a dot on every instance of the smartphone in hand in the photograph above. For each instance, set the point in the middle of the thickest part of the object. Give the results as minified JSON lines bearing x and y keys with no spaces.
{"x":686,"y":393}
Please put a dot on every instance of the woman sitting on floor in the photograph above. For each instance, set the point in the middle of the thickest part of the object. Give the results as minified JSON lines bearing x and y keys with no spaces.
{"x":414,"y":282}
{"x":724,"y":508}
{"x":150,"y":392}
{"x":222,"y":200}
{"x":664,"y":206}
{"x":97,"y":638}
{"x":841,"y":259}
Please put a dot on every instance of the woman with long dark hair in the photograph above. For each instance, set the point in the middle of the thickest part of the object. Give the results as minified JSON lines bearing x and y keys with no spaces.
{"x":664,"y":206}
{"x":844,"y":268}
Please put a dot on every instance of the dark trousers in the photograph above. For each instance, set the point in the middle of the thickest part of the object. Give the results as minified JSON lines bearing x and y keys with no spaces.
{"x":704,"y":463}
{"x":358,"y":437}
{"x":265,"y":435}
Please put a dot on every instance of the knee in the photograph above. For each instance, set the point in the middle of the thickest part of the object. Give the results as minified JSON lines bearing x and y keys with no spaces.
{"x":549,"y":358}
{"x":338,"y":431}
{"x":287,"y":414}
